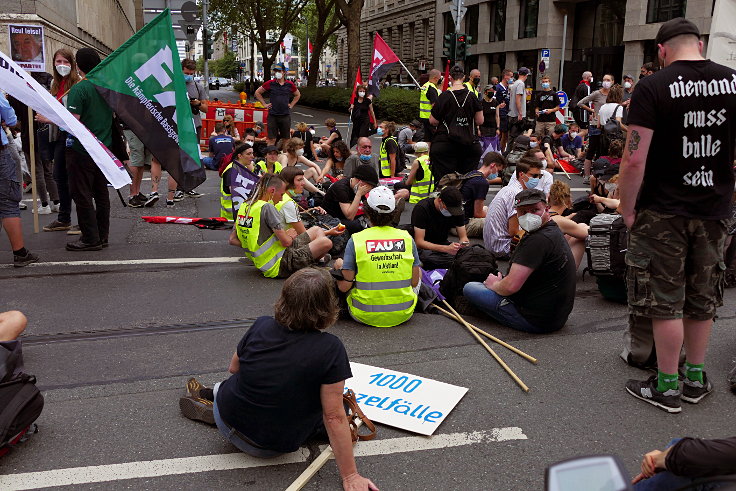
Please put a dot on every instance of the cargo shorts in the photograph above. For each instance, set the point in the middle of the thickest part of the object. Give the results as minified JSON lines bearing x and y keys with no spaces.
{"x":297,"y":256}
{"x":675,"y":266}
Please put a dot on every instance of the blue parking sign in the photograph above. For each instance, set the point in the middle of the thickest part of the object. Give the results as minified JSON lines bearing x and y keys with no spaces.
{"x":545,"y":53}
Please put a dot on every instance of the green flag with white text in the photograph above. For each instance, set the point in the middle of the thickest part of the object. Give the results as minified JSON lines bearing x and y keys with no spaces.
{"x":143,"y":83}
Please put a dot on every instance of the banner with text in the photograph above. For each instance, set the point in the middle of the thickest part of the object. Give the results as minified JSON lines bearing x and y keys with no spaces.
{"x":19,"y":84}
{"x":27,"y":47}
{"x":403,"y":400}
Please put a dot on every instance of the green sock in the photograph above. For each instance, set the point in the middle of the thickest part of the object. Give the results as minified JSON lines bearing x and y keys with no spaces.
{"x":666,"y":381}
{"x":694,"y":372}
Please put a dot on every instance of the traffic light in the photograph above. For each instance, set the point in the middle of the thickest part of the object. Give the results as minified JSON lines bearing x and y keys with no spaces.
{"x":448,"y":45}
{"x":462,"y":46}
{"x":207,"y":43}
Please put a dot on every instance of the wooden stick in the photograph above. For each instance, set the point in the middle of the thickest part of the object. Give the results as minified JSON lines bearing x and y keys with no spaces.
{"x":490,"y":336}
{"x":488,"y":348}
{"x":32,"y":167}
{"x":315,"y":466}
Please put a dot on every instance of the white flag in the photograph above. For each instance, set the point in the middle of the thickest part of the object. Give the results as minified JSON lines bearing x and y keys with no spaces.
{"x":19,"y":84}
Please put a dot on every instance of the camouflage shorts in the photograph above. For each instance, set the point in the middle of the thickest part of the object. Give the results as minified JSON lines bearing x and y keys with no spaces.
{"x":297,"y":256}
{"x":675,"y":266}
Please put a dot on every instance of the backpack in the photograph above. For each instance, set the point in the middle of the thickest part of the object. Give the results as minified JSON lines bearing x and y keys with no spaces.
{"x":461,"y":128}
{"x":473,"y":263}
{"x":612,"y":129}
{"x":606,"y":246}
{"x":455,"y":179}
{"x":508,"y":173}
{"x":21,"y":402}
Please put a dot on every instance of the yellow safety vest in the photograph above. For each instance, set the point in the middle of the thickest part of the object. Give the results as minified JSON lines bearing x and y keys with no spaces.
{"x":385,"y":162}
{"x":276,"y":166}
{"x":425,"y":107}
{"x":382,"y":295}
{"x":423,"y":188}
{"x":226,"y":199}
{"x":265,"y":256}
{"x":472,"y":90}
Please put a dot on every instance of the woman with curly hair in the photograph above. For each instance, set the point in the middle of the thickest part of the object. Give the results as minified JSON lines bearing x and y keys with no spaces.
{"x":335,"y":164}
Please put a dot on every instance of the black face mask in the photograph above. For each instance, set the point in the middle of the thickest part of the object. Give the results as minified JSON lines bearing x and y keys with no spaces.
{"x":641,"y":76}
{"x":476,"y":81}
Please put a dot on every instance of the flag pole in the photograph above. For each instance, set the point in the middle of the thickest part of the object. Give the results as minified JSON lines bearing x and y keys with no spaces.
{"x":32,"y":167}
{"x":407,"y":71}
{"x":350,"y":124}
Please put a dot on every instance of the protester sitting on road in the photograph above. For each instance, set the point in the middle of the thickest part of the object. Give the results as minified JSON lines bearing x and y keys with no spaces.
{"x":294,"y":200}
{"x":610,"y":201}
{"x":272,"y":405}
{"x":326,"y":141}
{"x":274,"y":249}
{"x":406,"y":136}
{"x":475,"y":191}
{"x":391,"y":160}
{"x":432,"y":219}
{"x":343,"y":199}
{"x":302,"y":132}
{"x":538,"y":293}
{"x":560,"y":200}
{"x":686,"y":460}
{"x":12,"y":324}
{"x":242,"y":174}
{"x":336,"y":158}
{"x":501,"y":223}
{"x":219,"y":146}
{"x":420,"y":180}
{"x":363,"y":157}
{"x":230,"y":128}
{"x":380,"y":267}
{"x":571,"y":143}
{"x":271,"y":164}
{"x":259,"y":144}
{"x":293,"y":155}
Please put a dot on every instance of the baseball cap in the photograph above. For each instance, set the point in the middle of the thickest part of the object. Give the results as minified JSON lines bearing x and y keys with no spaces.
{"x":529,"y":197}
{"x":367,"y":174}
{"x":278,"y":66}
{"x":421,"y":147}
{"x":453,"y":200}
{"x":524,"y":71}
{"x":381,"y":199}
{"x":490,"y":87}
{"x":270,"y":148}
{"x":415,"y":123}
{"x":676,"y":27}
{"x":628,"y":75}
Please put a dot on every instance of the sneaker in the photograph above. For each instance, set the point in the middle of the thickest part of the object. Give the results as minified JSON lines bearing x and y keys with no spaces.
{"x":193,"y":387}
{"x":178,"y":195}
{"x":693,"y":392}
{"x":647,"y":391}
{"x":22,"y":206}
{"x":136,"y":201}
{"x":44,"y":210}
{"x":197,"y":409}
{"x":191,"y":194}
{"x":20,"y":261}
{"x":57,"y":226}
{"x":169,"y":203}
{"x":80,"y":245}
{"x":586,"y":180}
{"x":151,"y":200}
{"x":55,"y":207}
{"x":74,"y":230}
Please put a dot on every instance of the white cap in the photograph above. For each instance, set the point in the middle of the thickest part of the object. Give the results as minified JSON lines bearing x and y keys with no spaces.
{"x":381,"y":199}
{"x":421,"y":147}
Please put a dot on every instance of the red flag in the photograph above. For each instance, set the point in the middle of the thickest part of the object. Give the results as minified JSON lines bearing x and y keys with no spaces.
{"x":446,"y":78}
{"x":358,"y":81}
{"x":383,"y":60}
{"x":309,"y":46}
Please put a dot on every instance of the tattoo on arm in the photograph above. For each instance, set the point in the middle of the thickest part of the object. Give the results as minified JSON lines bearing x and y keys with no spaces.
{"x":634,"y":140}
{"x":157,"y":179}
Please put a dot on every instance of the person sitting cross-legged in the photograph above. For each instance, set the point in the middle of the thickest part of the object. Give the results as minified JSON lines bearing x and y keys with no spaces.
{"x":432,"y":219}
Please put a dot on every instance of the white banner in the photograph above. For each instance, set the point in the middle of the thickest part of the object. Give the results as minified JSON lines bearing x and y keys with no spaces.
{"x":403,"y":400}
{"x":288,"y":40}
{"x":19,"y":84}
{"x":722,"y":40}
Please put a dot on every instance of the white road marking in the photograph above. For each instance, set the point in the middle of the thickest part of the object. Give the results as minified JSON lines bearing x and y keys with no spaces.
{"x":302,"y":114}
{"x":127,"y":262}
{"x":206,"y":463}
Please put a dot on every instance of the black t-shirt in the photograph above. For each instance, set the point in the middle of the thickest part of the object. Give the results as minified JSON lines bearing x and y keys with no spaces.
{"x":473,"y":189}
{"x":690,"y":106}
{"x":455,"y":110}
{"x":360,"y":109}
{"x":391,"y":147}
{"x":432,"y":94}
{"x":274,"y":399}
{"x":547,"y":296}
{"x":502,"y":95}
{"x":339,"y":192}
{"x":436,"y":226}
{"x":306,"y":137}
{"x":489,"y":113}
{"x":547,"y":100}
{"x":338,"y":137}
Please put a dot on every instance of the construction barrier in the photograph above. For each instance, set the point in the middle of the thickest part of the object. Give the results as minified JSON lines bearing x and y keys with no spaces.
{"x":244,"y":116}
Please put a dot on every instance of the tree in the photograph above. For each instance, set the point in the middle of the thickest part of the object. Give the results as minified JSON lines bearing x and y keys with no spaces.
{"x":349,"y":13}
{"x":323,"y":21}
{"x":259,"y":20}
{"x":226,"y":67}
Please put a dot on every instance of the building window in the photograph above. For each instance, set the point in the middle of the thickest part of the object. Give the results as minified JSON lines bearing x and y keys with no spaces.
{"x":471,"y":22}
{"x":528,"y":14}
{"x":498,"y":21}
{"x":664,"y":10}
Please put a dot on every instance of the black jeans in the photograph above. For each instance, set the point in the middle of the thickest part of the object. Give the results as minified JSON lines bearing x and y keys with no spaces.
{"x":88,"y":187}
{"x":61,"y":176}
{"x":435,"y":260}
{"x":449,"y":157}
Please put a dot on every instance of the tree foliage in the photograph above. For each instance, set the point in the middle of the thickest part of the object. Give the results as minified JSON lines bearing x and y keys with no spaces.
{"x":349,"y":12}
{"x":322,"y":18}
{"x":226,"y":67}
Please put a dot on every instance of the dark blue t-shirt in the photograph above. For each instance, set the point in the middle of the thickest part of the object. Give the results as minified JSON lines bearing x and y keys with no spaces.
{"x":502,"y":95}
{"x":274,"y":399}
{"x":279,"y":96}
{"x":570,"y":145}
{"x":473,"y":189}
{"x":220,"y":146}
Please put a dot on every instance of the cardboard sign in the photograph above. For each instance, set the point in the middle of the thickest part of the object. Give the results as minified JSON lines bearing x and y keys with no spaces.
{"x":403,"y":400}
{"x":27,"y":47}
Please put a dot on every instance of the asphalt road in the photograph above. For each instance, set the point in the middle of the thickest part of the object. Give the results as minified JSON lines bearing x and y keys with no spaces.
{"x":112,"y":345}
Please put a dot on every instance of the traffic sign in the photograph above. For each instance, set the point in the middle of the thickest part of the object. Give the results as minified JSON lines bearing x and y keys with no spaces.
{"x":563,"y":98}
{"x":545,"y":58}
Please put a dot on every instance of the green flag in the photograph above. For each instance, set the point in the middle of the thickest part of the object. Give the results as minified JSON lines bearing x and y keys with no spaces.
{"x":143,"y":83}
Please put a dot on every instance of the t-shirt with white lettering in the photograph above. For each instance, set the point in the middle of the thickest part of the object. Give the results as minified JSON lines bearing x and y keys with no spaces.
{"x":690,"y":105}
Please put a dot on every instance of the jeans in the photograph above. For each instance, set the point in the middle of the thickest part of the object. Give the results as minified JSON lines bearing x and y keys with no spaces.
{"x":88,"y":186}
{"x":62,"y":179}
{"x":666,"y":481}
{"x":233,"y":438}
{"x":498,"y":307}
{"x":209,"y":162}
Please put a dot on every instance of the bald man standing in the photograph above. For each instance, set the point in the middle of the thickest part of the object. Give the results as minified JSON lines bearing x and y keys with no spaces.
{"x":474,"y":82}
{"x":427,"y":97}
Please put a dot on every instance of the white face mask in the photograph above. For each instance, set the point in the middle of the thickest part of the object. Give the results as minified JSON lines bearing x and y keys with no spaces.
{"x":573,"y":134}
{"x":63,"y":70}
{"x":627,"y":85}
{"x":312,"y":132}
{"x":249,"y":143}
{"x":607,"y":84}
{"x":300,"y":152}
{"x":533,"y":144}
{"x":530,"y":222}
{"x":361,"y":94}
{"x":611,"y":187}
{"x":278,"y":75}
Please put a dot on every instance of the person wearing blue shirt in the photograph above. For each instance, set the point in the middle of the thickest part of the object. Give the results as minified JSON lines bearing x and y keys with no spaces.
{"x":572,"y":143}
{"x":10,"y":191}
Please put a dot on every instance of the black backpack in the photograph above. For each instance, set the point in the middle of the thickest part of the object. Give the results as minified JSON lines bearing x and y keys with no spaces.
{"x":21,"y":402}
{"x":473,"y":263}
{"x":612,"y":129}
{"x":455,"y":179}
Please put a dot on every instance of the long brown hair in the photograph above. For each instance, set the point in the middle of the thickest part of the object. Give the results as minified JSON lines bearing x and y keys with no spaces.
{"x":73,"y":76}
{"x":308,"y":301}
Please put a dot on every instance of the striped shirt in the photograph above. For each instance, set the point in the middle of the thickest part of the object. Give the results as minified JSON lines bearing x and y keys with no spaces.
{"x":496,"y":226}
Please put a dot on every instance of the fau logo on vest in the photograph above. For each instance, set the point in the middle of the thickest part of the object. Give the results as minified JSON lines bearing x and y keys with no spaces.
{"x":394,"y":245}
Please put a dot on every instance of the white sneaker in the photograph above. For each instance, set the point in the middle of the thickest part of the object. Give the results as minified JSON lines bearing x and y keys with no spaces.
{"x":54,"y":208}
{"x":44,"y":210}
